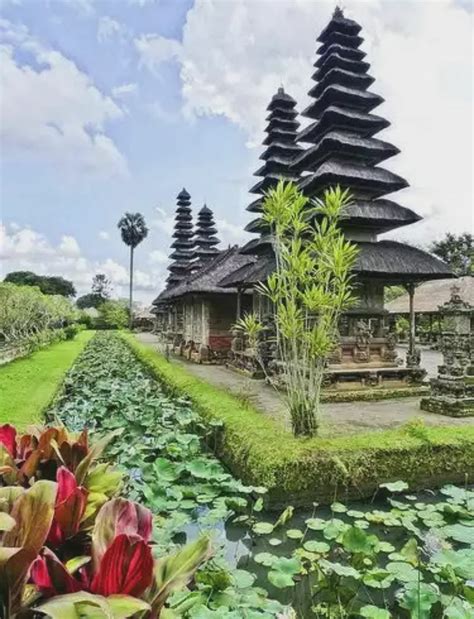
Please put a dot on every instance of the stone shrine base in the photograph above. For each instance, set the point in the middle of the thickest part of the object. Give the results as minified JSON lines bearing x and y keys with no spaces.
{"x":451,"y":407}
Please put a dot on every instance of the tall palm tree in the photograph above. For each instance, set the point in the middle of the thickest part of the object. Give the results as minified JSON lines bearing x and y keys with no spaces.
{"x":133,"y":229}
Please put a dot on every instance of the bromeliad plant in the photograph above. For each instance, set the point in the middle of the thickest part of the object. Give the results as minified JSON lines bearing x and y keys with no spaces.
{"x":309,"y":289}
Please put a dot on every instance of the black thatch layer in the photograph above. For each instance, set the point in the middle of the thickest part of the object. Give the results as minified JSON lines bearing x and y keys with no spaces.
{"x":379,"y":215}
{"x":362,"y":181}
{"x":257,"y":247}
{"x":399,"y":262}
{"x":182,"y":245}
{"x":335,"y":117}
{"x":250,"y":274}
{"x":278,"y":156}
{"x":207,"y":278}
{"x":335,"y":94}
{"x":338,"y":143}
{"x":349,"y":53}
{"x":339,"y":23}
{"x":204,"y":239}
{"x":340,"y":59}
{"x":342,"y":77}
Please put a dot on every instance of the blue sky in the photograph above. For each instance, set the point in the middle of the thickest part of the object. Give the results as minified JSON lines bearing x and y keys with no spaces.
{"x":114,"y":105}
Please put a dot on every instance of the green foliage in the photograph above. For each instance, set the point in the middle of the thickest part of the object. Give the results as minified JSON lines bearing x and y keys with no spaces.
{"x":47,"y":284}
{"x":112,"y":315}
{"x":26,"y":312}
{"x":309,"y":289}
{"x":402,"y":327}
{"x":161,"y":451}
{"x":91,"y":299}
{"x":301,"y":471}
{"x":133,"y":229}
{"x":457,"y":251}
{"x":101,"y":286}
{"x":393,"y":292}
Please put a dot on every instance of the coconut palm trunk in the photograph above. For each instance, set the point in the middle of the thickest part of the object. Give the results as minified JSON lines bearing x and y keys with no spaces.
{"x":133,"y":230}
{"x":130,"y":297}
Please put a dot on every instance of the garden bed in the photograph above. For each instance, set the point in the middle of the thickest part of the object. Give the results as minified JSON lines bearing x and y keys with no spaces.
{"x":301,"y":471}
{"x":402,"y":556}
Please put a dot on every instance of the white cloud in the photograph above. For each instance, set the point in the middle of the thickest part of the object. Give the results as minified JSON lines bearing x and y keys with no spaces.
{"x":108,"y":29}
{"x":124,"y":90}
{"x":234,"y":55}
{"x":163,"y":221}
{"x":158,"y":257}
{"x":105,"y":236}
{"x":231,"y":234}
{"x":24,"y":249}
{"x":52,"y":112}
{"x":155,"y":49}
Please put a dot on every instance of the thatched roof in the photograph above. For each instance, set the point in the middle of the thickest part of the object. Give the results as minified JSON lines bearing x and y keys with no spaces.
{"x":362,"y":180}
{"x":207,"y":278}
{"x":399,"y":262}
{"x":336,"y":94}
{"x":388,"y":260}
{"x":343,"y":118}
{"x":343,"y":143}
{"x":251,"y":273}
{"x":430,"y":295}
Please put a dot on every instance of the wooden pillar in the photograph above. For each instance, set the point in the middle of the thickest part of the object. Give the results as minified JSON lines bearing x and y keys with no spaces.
{"x":239,"y":302}
{"x":412,"y":332}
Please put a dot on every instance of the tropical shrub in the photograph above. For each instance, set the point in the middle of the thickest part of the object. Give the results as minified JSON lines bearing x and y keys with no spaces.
{"x":310,"y":287}
{"x":112,"y":315}
{"x":30,"y":319}
{"x":66,"y":547}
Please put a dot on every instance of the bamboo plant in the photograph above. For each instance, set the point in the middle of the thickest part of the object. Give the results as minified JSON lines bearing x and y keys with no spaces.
{"x":309,"y":289}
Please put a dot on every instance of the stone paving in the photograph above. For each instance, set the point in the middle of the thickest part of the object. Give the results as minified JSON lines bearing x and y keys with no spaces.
{"x":339,"y":418}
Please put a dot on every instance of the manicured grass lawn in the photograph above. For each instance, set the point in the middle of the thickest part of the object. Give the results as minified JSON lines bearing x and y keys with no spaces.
{"x":27,"y":386}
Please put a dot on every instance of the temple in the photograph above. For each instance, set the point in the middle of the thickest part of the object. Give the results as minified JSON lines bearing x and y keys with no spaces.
{"x":195,"y":315}
{"x":281,"y":149}
{"x":337,"y":147}
{"x":182,"y":245}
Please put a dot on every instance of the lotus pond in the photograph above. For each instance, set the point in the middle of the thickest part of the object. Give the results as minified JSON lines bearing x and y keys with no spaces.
{"x":400,"y":555}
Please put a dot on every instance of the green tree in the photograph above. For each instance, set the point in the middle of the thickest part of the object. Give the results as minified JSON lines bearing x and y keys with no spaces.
{"x":457,"y":251}
{"x":89,"y":300}
{"x":101,"y":286}
{"x":113,"y":315}
{"x":133,"y":230}
{"x":47,"y":284}
{"x":309,"y":289}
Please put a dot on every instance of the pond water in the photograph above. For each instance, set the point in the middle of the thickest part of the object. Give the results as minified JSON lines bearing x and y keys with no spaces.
{"x":393,"y":553}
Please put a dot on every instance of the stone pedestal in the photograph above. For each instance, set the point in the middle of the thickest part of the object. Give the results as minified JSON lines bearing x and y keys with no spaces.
{"x":452,"y":392}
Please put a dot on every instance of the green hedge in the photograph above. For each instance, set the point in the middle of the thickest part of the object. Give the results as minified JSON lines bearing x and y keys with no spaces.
{"x":371,"y":395}
{"x":299,"y":471}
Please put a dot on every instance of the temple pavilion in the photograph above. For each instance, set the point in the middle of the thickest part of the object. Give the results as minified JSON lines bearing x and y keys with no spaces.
{"x":194,"y":314}
{"x":338,"y":147}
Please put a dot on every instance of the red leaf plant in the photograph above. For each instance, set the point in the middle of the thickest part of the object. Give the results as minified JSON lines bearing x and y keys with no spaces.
{"x":121,"y":561}
{"x":38,"y":454}
{"x":71,"y":500}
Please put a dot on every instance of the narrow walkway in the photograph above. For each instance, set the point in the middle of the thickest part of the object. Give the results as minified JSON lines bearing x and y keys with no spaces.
{"x":340,"y":418}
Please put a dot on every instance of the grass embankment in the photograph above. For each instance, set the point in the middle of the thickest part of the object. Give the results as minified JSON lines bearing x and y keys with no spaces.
{"x":28,"y":385}
{"x":302,"y":470}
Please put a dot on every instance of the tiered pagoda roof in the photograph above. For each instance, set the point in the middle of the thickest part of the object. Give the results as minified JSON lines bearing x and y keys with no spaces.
{"x":280,"y":151}
{"x":342,"y":148}
{"x":204,"y":238}
{"x":183,"y":244}
{"x":343,"y":151}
